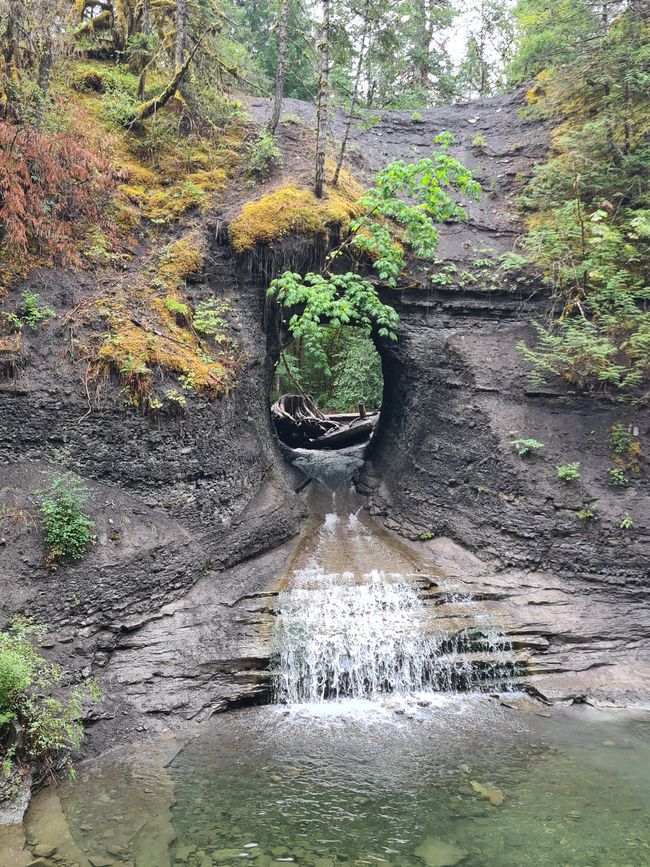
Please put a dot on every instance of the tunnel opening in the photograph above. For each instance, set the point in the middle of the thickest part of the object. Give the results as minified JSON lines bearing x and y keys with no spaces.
{"x":327,"y":393}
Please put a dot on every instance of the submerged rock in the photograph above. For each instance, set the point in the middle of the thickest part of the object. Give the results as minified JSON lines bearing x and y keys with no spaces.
{"x":438,"y":853}
{"x":490,"y":793}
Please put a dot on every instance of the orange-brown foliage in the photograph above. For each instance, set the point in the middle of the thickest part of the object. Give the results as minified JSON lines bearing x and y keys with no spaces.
{"x":51,"y":189}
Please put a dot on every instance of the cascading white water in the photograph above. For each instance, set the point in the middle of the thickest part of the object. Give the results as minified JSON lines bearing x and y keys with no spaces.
{"x":364,"y":630}
{"x":339,"y":637}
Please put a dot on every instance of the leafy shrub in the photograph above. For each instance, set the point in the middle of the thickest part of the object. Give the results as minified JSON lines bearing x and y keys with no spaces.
{"x":512,"y":262}
{"x":353,"y":372}
{"x":416,"y":117}
{"x":209,"y":319}
{"x":265,"y":155}
{"x":587,"y":513}
{"x":120,"y":107}
{"x":620,"y":439}
{"x":66,"y":527}
{"x":368,"y":121}
{"x":588,"y":216}
{"x":568,"y":472}
{"x":617,"y":477}
{"x":339,"y":298}
{"x":524,"y":446}
{"x":479,"y":141}
{"x":414,"y":197}
{"x":27,"y":681}
{"x":30,"y":312}
{"x":626,"y":523}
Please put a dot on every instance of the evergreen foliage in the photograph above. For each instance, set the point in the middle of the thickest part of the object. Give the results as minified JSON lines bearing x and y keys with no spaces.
{"x":588,"y":207}
{"x":352,"y":372}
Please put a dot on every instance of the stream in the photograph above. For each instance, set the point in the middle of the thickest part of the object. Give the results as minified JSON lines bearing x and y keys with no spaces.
{"x":399,"y":734}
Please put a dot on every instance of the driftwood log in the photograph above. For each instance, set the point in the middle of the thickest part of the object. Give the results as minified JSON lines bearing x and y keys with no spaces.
{"x":300,"y":424}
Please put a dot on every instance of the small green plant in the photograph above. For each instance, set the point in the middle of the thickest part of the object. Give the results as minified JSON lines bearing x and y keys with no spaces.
{"x":617,"y":477}
{"x":119,"y":106}
{"x":265,"y":155}
{"x":512,"y":262}
{"x":568,"y":472}
{"x":416,"y":117}
{"x":175,"y":397}
{"x":27,"y":681}
{"x":66,"y":527}
{"x":524,"y":446}
{"x":180,"y":311}
{"x":587,"y":513}
{"x":626,"y":523}
{"x":424,"y":537}
{"x":368,"y":121}
{"x":9,"y":322}
{"x":620,"y":439}
{"x":293,"y":119}
{"x":479,"y":141}
{"x":187,"y":381}
{"x":30,"y":311}
{"x":209,"y":319}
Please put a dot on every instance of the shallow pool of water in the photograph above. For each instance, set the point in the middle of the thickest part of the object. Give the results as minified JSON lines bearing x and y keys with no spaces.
{"x":428,"y":781}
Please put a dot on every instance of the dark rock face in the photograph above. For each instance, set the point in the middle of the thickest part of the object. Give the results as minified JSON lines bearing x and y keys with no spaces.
{"x":443,"y":462}
{"x":176,"y":500}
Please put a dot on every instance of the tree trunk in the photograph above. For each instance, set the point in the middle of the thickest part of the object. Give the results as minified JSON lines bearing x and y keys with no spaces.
{"x":153,"y":105}
{"x":279,"y":74}
{"x":44,"y":71}
{"x":181,"y":23}
{"x":321,"y":115}
{"x":423,"y":39}
{"x":146,"y":29}
{"x":355,"y":92}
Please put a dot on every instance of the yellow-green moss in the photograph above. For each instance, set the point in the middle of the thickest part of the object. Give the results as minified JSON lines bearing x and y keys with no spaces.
{"x":150,"y":331}
{"x":290,"y":210}
{"x":181,"y":259}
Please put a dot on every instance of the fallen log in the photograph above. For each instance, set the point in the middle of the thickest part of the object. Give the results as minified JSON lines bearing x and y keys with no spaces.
{"x":351,"y":435}
{"x":298,"y":420}
{"x":301,"y":424}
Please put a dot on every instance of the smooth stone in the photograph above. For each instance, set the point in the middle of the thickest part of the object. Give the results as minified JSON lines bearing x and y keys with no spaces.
{"x":43,"y":850}
{"x":438,"y":853}
{"x":226,"y":854}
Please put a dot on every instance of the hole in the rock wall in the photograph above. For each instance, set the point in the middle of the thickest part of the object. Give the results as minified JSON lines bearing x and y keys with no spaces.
{"x":328,"y":395}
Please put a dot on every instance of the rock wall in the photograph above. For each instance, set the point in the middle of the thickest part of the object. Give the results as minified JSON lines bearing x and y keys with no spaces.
{"x":178,"y":501}
{"x":194,"y":513}
{"x":443,"y":463}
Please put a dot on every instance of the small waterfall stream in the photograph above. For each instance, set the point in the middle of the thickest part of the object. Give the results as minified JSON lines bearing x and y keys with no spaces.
{"x":357,"y":621}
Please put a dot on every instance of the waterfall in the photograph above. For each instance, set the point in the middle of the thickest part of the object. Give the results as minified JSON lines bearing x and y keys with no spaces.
{"x":366,"y":631}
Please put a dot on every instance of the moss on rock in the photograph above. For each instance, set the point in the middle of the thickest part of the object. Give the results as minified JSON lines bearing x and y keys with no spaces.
{"x":292,"y":210}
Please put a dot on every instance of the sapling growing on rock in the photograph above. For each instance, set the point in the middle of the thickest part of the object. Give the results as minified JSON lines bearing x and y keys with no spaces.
{"x":523,"y":445}
{"x":65,"y":525}
{"x":568,"y":472}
